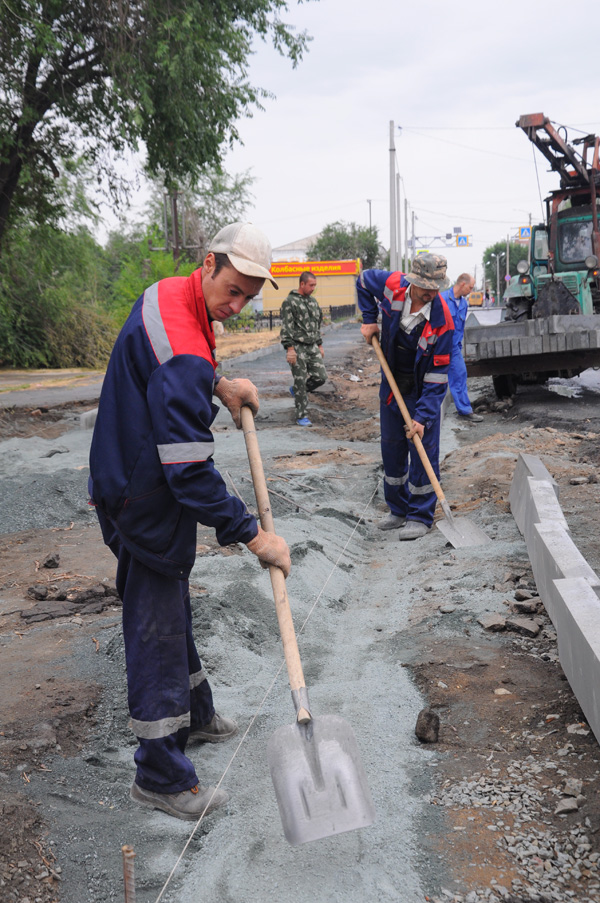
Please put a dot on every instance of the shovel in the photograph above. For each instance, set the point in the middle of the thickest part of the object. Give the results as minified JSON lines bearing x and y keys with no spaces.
{"x":459,"y":531}
{"x":319,"y":780}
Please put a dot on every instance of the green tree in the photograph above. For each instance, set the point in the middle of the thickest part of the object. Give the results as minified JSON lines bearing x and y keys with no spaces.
{"x":52,"y":291}
{"x":491,"y":269}
{"x":107,"y":76}
{"x":343,"y":241}
{"x":139,"y":267}
{"x":203,"y":207}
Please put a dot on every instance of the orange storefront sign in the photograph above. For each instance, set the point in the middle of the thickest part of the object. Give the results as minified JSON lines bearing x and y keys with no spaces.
{"x":318,"y":267}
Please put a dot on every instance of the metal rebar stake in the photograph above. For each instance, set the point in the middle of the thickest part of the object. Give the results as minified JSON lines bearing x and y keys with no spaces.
{"x":128,"y":875}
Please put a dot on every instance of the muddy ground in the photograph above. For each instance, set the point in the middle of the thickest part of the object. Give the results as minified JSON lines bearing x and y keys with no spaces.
{"x":395,"y":628}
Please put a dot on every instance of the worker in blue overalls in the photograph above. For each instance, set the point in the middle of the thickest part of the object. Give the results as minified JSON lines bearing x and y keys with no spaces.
{"x":456,"y":297}
{"x":152,"y":479}
{"x":416,"y":339}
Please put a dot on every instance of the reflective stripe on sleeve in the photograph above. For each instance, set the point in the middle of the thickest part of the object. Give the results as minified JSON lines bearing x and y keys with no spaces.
{"x":154,"y":730}
{"x":155,"y":327}
{"x":435,"y":378}
{"x":185,"y":452}
{"x":420,"y":490}
{"x":388,"y":293}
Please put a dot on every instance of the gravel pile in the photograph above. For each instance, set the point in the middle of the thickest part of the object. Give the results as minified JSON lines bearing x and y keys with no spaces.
{"x":554,"y":867}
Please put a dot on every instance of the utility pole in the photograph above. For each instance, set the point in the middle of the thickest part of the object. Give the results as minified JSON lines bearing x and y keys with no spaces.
{"x":497,"y":278}
{"x":413,"y":248}
{"x":507,"y":258}
{"x":165,"y":221}
{"x":369,"y":203}
{"x":175,"y":226}
{"x":398,"y":222}
{"x":406,"y":234}
{"x":393,"y":245}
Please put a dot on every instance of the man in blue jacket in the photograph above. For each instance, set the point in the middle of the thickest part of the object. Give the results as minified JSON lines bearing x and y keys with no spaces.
{"x":456,"y":298}
{"x":152,"y":479}
{"x":416,"y":339}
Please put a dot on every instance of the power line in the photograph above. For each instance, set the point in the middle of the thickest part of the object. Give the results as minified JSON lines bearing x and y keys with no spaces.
{"x":481,"y":128}
{"x":469,"y":147}
{"x":474,"y":219}
{"x":457,"y":128}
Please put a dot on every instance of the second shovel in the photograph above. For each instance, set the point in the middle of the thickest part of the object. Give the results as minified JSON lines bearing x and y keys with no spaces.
{"x":460,"y":531}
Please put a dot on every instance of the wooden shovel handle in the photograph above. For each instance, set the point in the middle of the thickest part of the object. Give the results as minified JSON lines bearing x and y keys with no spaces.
{"x":408,"y":420}
{"x":282,"y":604}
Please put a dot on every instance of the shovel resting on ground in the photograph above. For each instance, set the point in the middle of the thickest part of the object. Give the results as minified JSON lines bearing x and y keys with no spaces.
{"x":319,"y":780}
{"x":459,"y":531}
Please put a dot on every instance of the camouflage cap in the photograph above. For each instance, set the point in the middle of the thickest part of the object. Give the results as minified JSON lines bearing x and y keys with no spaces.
{"x":429,"y":271}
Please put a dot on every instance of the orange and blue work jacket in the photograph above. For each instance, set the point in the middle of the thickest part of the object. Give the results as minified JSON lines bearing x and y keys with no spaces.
{"x":151,"y":461}
{"x":380,"y":290}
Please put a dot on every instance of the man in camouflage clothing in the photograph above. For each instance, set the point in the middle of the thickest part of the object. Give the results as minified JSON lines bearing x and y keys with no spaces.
{"x":301,"y":319}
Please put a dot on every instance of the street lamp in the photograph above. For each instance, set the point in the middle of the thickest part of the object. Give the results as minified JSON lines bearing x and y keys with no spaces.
{"x":497,"y":256}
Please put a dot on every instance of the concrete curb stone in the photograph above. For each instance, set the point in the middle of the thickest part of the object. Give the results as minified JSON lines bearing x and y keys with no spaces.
{"x":568,"y":587}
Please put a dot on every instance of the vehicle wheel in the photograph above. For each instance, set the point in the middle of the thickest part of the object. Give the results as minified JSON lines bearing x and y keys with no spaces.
{"x":517,"y":309}
{"x":505,"y":386}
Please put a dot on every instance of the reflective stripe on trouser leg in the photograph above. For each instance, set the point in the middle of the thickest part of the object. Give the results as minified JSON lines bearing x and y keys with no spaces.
{"x":457,"y":381}
{"x":394,"y":454}
{"x":160,"y":657}
{"x":309,"y":373}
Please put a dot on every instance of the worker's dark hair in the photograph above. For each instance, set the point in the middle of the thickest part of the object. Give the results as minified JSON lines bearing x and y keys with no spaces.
{"x":306,"y":275}
{"x":464,"y":277}
{"x":221,"y":261}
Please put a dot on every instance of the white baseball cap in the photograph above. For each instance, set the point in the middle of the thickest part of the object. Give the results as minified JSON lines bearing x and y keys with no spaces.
{"x":247,"y":248}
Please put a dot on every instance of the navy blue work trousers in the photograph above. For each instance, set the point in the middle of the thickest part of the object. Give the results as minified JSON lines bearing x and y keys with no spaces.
{"x":168,"y":692}
{"x":407,"y":490}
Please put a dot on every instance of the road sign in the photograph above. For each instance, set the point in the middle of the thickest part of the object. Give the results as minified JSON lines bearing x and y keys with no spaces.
{"x":507,"y":278}
{"x":423,"y":251}
{"x":524,"y":232}
{"x":462,"y":241}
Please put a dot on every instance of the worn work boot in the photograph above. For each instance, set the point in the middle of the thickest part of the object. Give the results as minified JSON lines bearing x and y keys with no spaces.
{"x":391,"y":522}
{"x":304,"y":421}
{"x":472,"y":417}
{"x":189,"y":804}
{"x":215,"y":731}
{"x":413,"y":529}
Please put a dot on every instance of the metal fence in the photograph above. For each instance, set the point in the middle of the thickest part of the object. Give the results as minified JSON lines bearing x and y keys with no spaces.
{"x":270,"y":318}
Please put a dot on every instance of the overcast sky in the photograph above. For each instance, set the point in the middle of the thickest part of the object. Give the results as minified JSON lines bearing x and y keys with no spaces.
{"x":454,"y":77}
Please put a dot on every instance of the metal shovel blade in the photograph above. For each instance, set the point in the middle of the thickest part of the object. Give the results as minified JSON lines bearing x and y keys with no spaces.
{"x":319,"y":780}
{"x":461,"y":532}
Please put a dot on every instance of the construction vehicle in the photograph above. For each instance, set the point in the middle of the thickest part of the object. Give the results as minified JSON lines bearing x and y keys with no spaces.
{"x":552,"y":316}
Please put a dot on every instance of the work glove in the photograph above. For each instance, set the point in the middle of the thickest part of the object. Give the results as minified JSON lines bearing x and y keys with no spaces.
{"x":270,"y":548}
{"x":234,"y":394}
{"x":290,"y":355}
{"x":369,"y":330}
